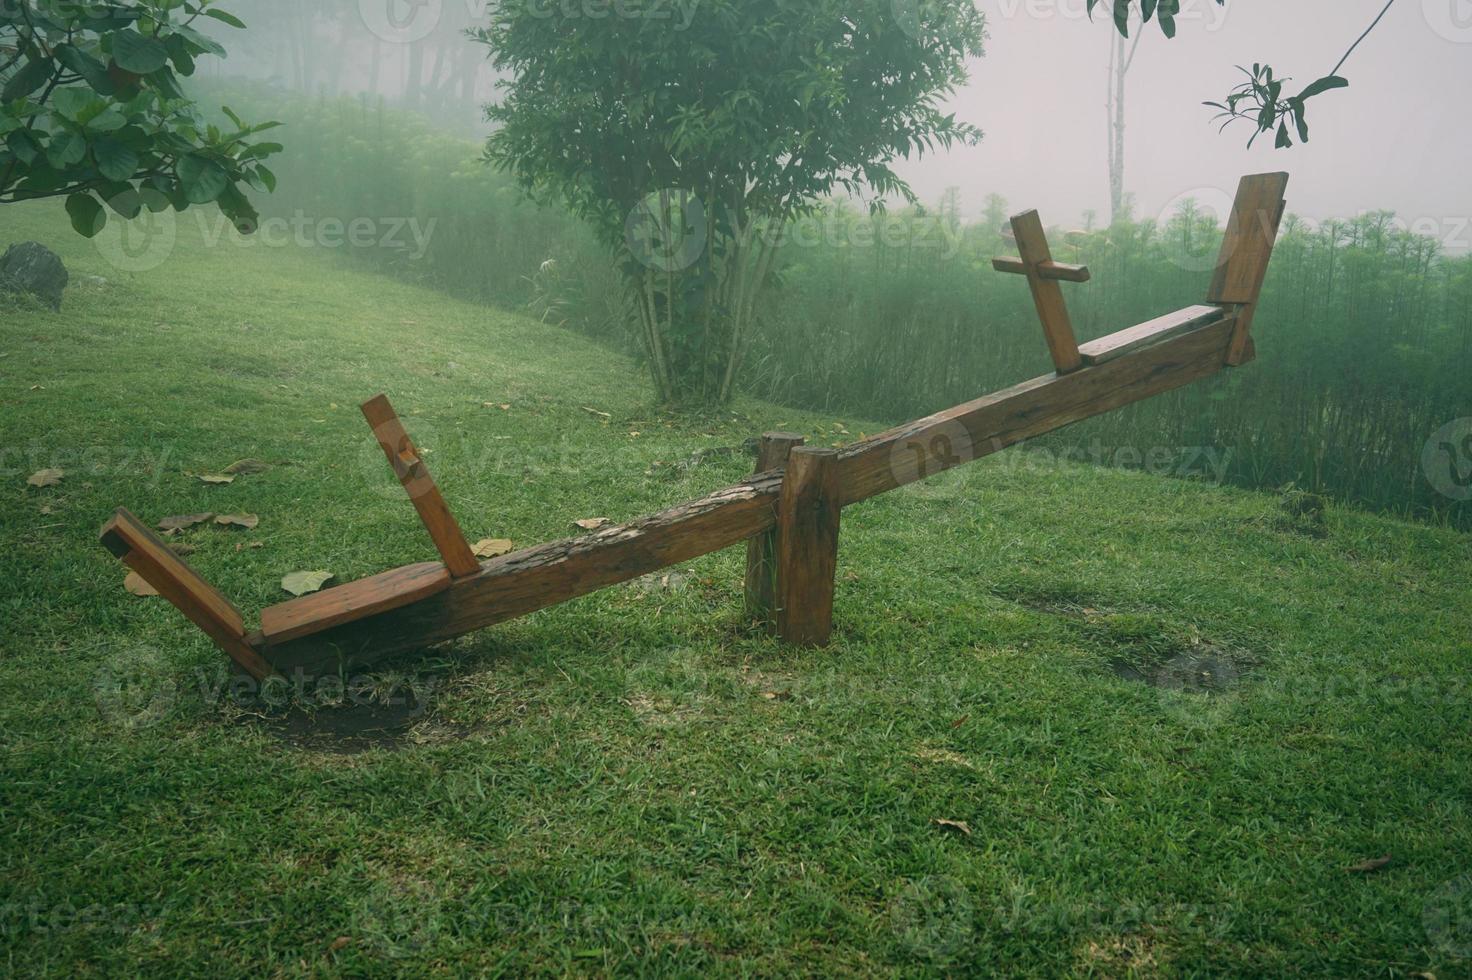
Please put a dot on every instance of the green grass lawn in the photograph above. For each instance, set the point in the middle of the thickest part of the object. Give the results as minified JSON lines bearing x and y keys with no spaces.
{"x":1171,"y":716}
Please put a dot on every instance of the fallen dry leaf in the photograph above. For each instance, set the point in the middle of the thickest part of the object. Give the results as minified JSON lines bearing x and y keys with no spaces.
{"x":46,"y":478}
{"x":957,"y":825}
{"x":493,"y":548}
{"x":215,"y":479}
{"x":137,"y":585}
{"x":594,"y":411}
{"x":247,"y":467}
{"x":305,"y":583}
{"x":182,"y":521}
{"x":340,"y":942}
{"x":1372,"y":864}
{"x":247,"y":521}
{"x":593,"y":523}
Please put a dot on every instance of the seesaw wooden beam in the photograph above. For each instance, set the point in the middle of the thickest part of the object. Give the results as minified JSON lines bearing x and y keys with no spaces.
{"x":526,"y":581}
{"x":1031,"y":409}
{"x":534,"y":579}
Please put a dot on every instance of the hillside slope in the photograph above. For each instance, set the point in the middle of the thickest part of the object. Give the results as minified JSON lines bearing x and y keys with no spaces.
{"x":1170,"y":716}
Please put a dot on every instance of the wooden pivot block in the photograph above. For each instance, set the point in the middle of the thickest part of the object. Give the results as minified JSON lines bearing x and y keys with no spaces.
{"x":808,"y":511}
{"x":414,"y":475}
{"x":142,"y":551}
{"x":761,"y":551}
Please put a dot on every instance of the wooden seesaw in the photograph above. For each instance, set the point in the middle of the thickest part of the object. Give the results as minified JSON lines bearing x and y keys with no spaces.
{"x":788,"y":512}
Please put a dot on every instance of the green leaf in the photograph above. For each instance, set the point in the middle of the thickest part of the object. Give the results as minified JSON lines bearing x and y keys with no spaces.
{"x":67,"y":149}
{"x":36,"y":73}
{"x":88,"y":217}
{"x":138,"y":54}
{"x":81,"y":63}
{"x":116,"y":161}
{"x":225,"y":18}
{"x":203,"y":179}
{"x":1325,"y":84}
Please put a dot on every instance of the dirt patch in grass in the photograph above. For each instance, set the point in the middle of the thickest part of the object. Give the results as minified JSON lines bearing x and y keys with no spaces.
{"x":1144,"y":647}
{"x":350,"y":729}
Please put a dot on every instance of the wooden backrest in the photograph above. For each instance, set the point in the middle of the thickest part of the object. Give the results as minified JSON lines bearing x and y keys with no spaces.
{"x":1252,"y":230}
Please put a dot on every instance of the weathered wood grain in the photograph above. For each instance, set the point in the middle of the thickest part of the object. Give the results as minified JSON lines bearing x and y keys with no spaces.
{"x":808,"y":513}
{"x":761,"y":551}
{"x":1033,"y":408}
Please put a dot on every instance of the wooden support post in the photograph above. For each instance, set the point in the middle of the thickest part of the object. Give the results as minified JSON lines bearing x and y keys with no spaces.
{"x":1247,"y":250}
{"x":142,"y":551}
{"x":761,"y":551}
{"x":808,"y":511}
{"x":414,"y":475}
{"x":1043,"y":276}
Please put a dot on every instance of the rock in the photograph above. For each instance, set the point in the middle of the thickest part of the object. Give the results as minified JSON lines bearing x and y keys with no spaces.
{"x":33,"y":268}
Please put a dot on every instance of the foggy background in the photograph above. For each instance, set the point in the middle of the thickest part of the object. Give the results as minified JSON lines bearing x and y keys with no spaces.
{"x":1397,"y":139}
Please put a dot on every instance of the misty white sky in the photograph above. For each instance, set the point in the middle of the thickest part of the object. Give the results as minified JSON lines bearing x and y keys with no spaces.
{"x":1399,"y":138}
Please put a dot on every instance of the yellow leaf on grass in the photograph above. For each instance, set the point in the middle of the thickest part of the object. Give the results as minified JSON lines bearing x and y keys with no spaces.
{"x":247,"y":467}
{"x":182,"y":521}
{"x":137,"y":585}
{"x":593,"y":523}
{"x":46,"y":478}
{"x":305,"y":583}
{"x":493,"y":548}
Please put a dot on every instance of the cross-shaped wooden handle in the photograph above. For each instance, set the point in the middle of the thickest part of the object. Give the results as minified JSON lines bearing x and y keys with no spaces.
{"x":1043,"y":276}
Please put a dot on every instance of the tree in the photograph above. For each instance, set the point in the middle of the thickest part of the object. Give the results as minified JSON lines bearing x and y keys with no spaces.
{"x":91,"y":109}
{"x":690,"y":137}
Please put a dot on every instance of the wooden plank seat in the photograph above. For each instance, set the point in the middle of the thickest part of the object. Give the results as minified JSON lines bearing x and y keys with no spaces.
{"x":349,"y":603}
{"x":1148,"y":333}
